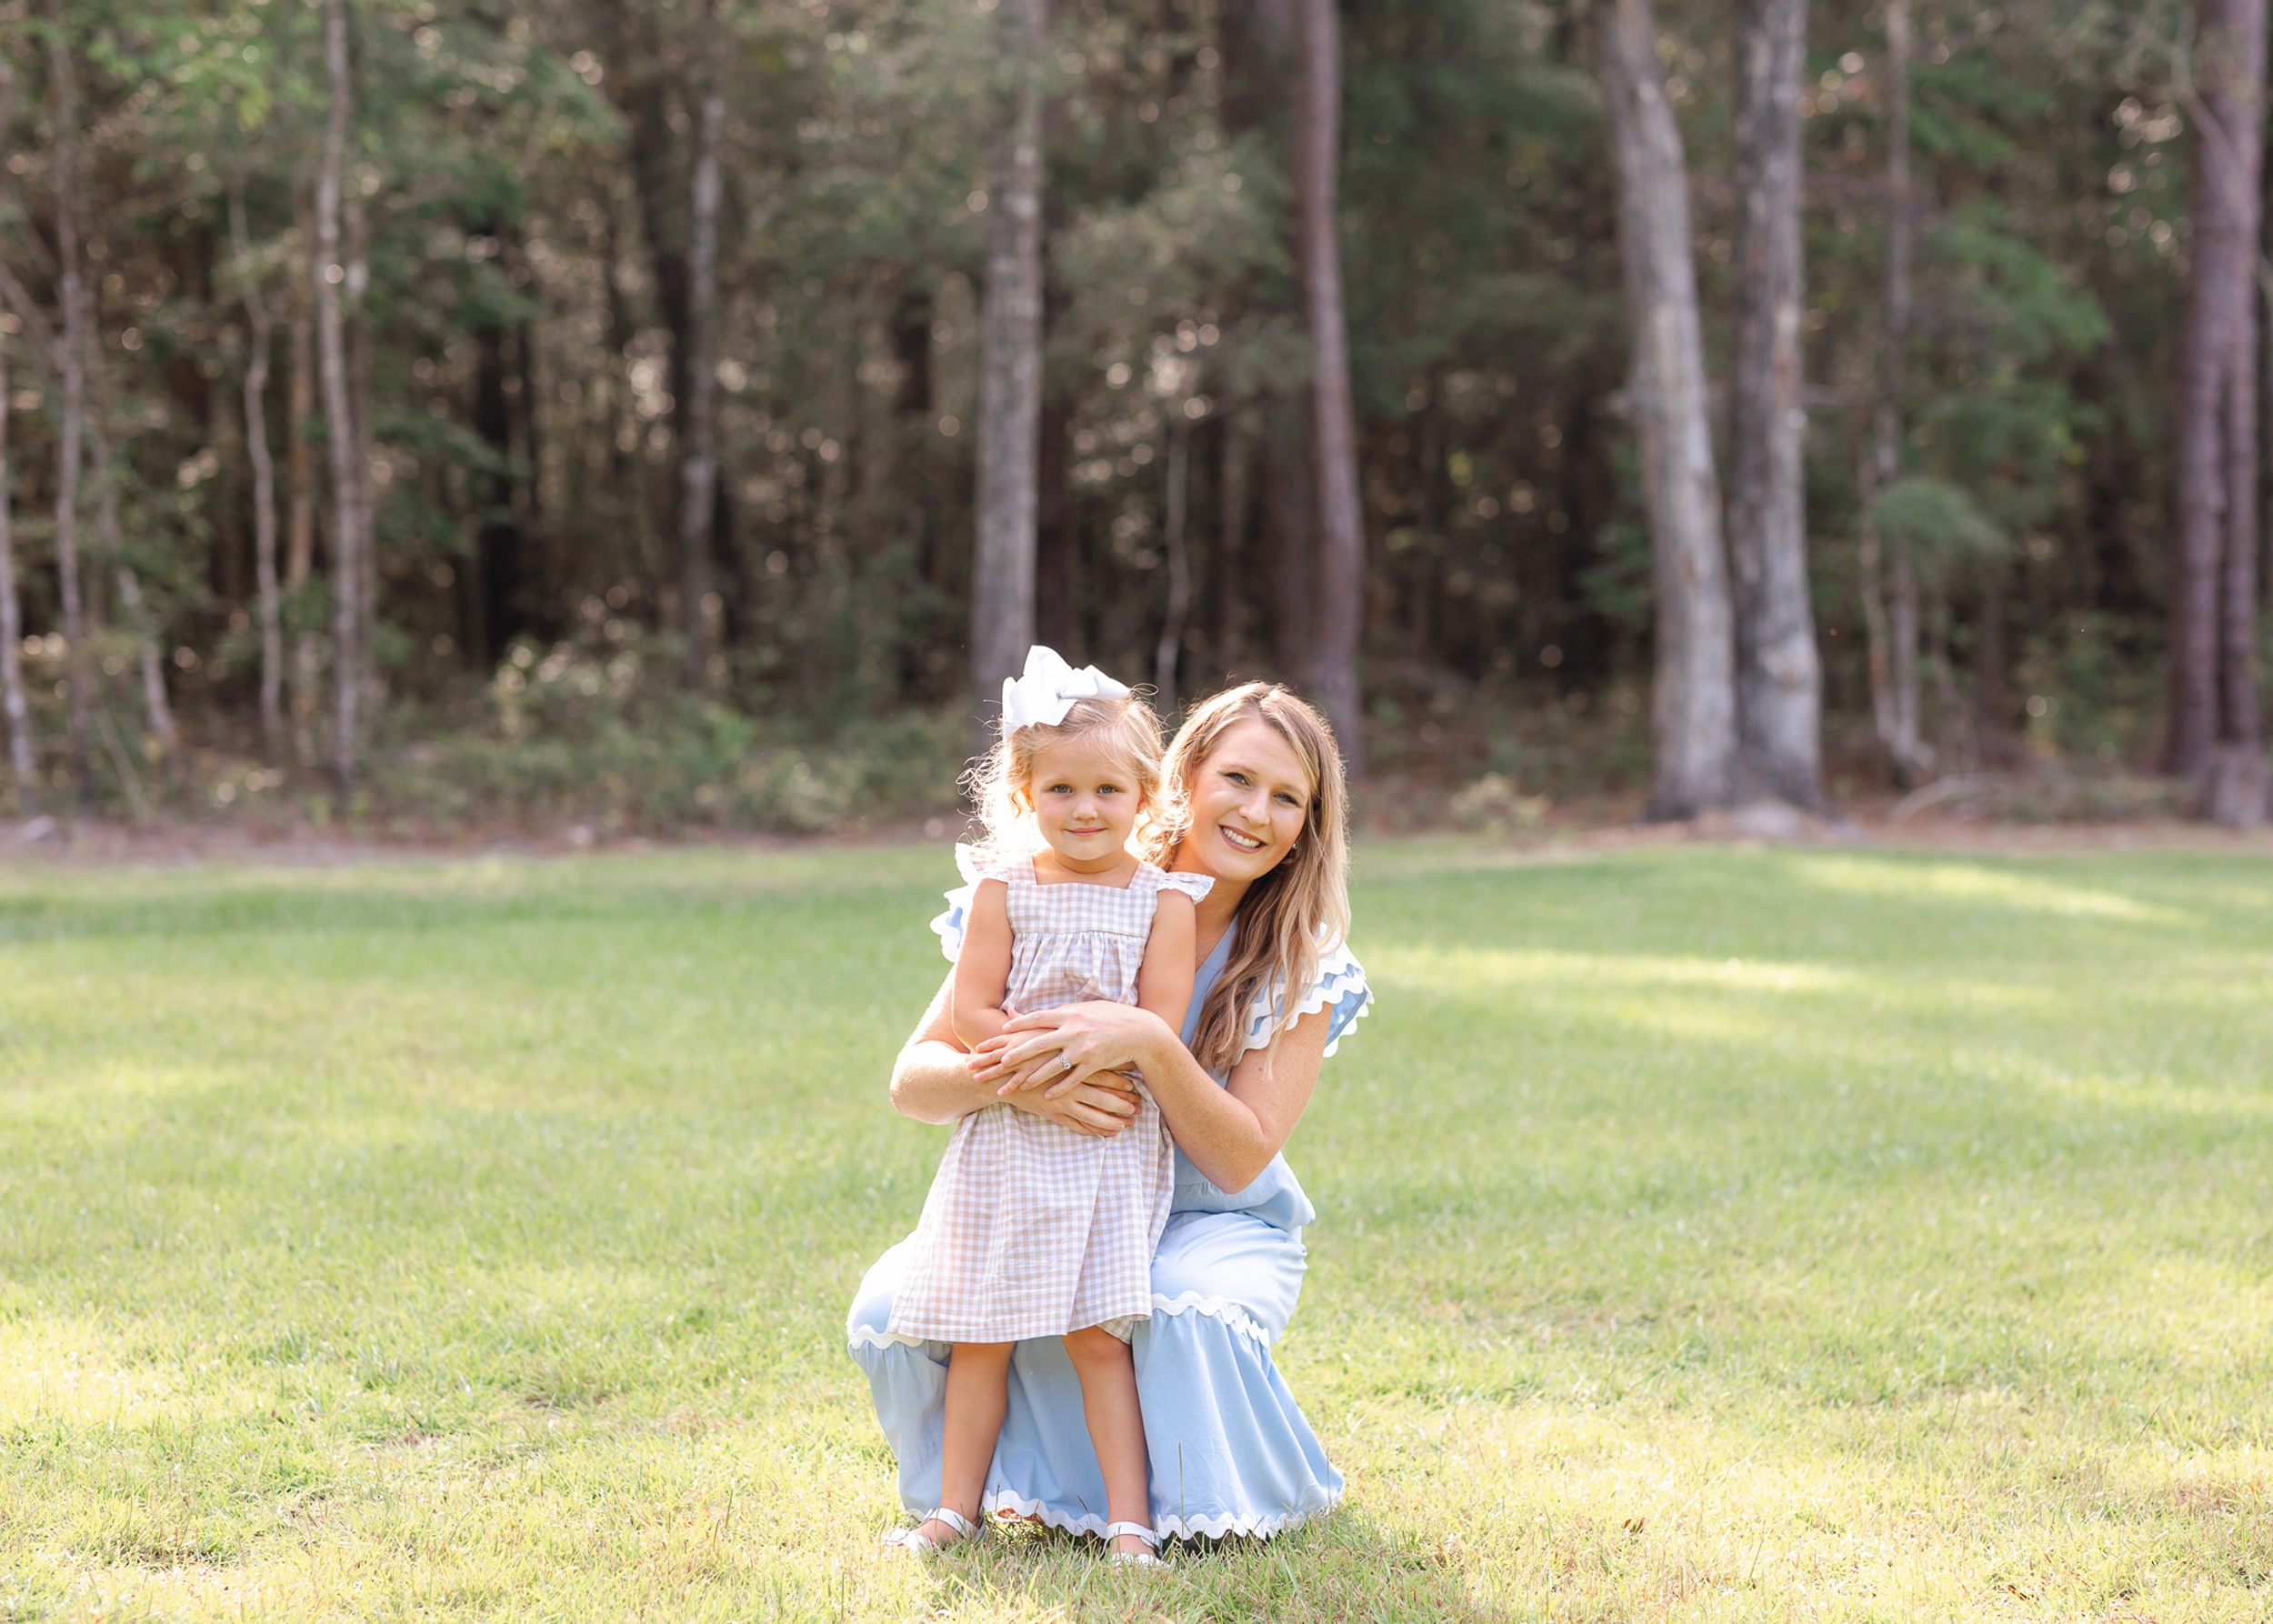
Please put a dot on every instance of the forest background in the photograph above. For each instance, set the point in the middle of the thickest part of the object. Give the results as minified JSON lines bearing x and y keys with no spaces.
{"x":423,"y":413}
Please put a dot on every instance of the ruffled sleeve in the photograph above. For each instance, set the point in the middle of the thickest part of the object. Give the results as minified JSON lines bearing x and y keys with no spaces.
{"x":974,"y":865}
{"x":1194,"y":886}
{"x":1340,"y":988}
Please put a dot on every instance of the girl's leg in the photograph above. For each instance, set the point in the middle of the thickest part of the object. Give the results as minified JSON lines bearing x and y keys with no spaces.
{"x":979,"y":1391}
{"x":1117,"y":1427}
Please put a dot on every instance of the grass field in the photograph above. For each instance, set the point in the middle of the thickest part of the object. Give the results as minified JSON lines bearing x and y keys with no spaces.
{"x":1705,"y":1234}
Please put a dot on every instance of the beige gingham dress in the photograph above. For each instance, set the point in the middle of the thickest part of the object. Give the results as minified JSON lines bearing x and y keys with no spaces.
{"x":1032,"y":1229}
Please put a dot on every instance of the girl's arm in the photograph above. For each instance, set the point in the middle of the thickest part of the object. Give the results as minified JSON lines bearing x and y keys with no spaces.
{"x":932,"y":1082}
{"x":1229,"y":1133}
{"x":1164,"y":980}
{"x":982,"y":969}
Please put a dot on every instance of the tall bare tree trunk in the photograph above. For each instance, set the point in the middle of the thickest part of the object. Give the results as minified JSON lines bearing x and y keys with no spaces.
{"x":149,"y":659}
{"x":72,"y":364}
{"x":355,"y":229}
{"x":348,"y":540}
{"x":1010,"y":387}
{"x":1779,"y":675}
{"x":698,"y":438}
{"x":1176,"y":544}
{"x":1894,"y":626}
{"x":300,"y":526}
{"x":1341,"y":537}
{"x":1694,"y":709}
{"x":1290,"y":529}
{"x":12,"y":701}
{"x":1229,"y":576}
{"x":264,"y":487}
{"x":2216,"y":732}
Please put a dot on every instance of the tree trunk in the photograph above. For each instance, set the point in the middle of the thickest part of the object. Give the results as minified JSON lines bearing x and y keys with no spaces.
{"x":348,"y":540}
{"x":497,"y":566}
{"x":300,"y":527}
{"x":12,"y":700}
{"x":72,"y":364}
{"x":698,"y":435}
{"x":2215,"y":731}
{"x":1053,"y":530}
{"x":1341,"y":537}
{"x":1894,"y":667}
{"x":148,"y":657}
{"x":1779,"y":677}
{"x":1694,"y":709}
{"x":1010,"y":389}
{"x":1175,"y":544}
{"x":264,"y":488}
{"x":1229,"y":571}
{"x":2238,"y":789}
{"x":1290,"y":505}
{"x":357,"y":228}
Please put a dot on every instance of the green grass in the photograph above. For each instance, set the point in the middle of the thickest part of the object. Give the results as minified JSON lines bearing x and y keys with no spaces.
{"x":1704,"y":1234}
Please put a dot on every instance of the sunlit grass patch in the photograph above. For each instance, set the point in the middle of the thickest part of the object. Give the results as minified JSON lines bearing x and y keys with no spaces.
{"x":1703,"y":1235}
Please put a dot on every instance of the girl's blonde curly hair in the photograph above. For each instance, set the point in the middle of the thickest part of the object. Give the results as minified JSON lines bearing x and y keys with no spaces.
{"x":1001,"y":782}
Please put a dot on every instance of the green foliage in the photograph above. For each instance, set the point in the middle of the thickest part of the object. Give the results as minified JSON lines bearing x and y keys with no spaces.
{"x":1697,"y":1229}
{"x":1945,"y":530}
{"x":601,"y":734}
{"x":519,"y":183}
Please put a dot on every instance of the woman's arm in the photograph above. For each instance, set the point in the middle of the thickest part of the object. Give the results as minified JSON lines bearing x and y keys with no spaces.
{"x":1229,"y":1133}
{"x":932,"y":1081}
{"x":982,"y":969}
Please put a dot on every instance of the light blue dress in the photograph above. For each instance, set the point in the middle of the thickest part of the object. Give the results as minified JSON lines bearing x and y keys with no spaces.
{"x":1230,"y":1451}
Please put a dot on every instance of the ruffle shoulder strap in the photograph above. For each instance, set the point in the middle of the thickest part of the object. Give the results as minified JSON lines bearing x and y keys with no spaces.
{"x":1194,"y":886}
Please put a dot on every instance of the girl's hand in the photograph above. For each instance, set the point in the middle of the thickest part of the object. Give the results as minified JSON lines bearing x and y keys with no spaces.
{"x":1073,"y":1045}
{"x":1089,"y":1109}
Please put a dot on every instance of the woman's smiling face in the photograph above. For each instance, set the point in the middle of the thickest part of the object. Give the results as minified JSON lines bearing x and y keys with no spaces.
{"x":1249,"y":801}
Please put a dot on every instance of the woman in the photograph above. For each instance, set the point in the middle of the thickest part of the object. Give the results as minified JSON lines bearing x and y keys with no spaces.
{"x":1230,"y":1452}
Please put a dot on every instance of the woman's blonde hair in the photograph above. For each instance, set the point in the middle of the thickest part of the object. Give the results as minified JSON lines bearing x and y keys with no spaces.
{"x":1001,"y":782}
{"x":1297,"y":910}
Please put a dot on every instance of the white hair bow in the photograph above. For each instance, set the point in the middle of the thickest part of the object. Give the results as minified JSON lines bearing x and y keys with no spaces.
{"x":1042,"y":696}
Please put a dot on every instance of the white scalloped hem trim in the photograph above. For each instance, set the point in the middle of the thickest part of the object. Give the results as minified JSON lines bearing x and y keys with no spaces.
{"x":1261,"y":1525}
{"x":1215,"y":1308}
{"x":867,"y":1336}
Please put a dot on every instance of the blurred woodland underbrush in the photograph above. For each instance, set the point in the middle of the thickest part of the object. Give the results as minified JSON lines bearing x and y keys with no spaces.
{"x":592,"y":737}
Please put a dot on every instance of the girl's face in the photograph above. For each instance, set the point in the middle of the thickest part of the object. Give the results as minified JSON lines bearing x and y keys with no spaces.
{"x":1085,"y":800}
{"x":1249,"y":799}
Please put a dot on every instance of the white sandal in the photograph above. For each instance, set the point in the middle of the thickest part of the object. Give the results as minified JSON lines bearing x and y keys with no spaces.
{"x":1131,"y":1559}
{"x":921,"y":1544}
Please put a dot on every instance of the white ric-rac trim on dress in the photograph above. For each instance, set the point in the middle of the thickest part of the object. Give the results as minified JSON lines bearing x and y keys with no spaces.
{"x":1340,"y":977}
{"x":1261,"y":1525}
{"x":867,"y":1336}
{"x":1215,"y":1308}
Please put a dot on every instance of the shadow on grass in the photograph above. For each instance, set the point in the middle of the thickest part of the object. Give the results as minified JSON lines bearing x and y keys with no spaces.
{"x":1341,"y":1567}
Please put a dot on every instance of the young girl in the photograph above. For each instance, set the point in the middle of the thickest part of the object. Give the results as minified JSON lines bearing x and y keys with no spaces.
{"x":1031,"y":1228}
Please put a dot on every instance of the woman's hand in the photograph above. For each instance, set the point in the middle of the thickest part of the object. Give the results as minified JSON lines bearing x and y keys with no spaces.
{"x":1070,"y":1046}
{"x":1092,"y":1109}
